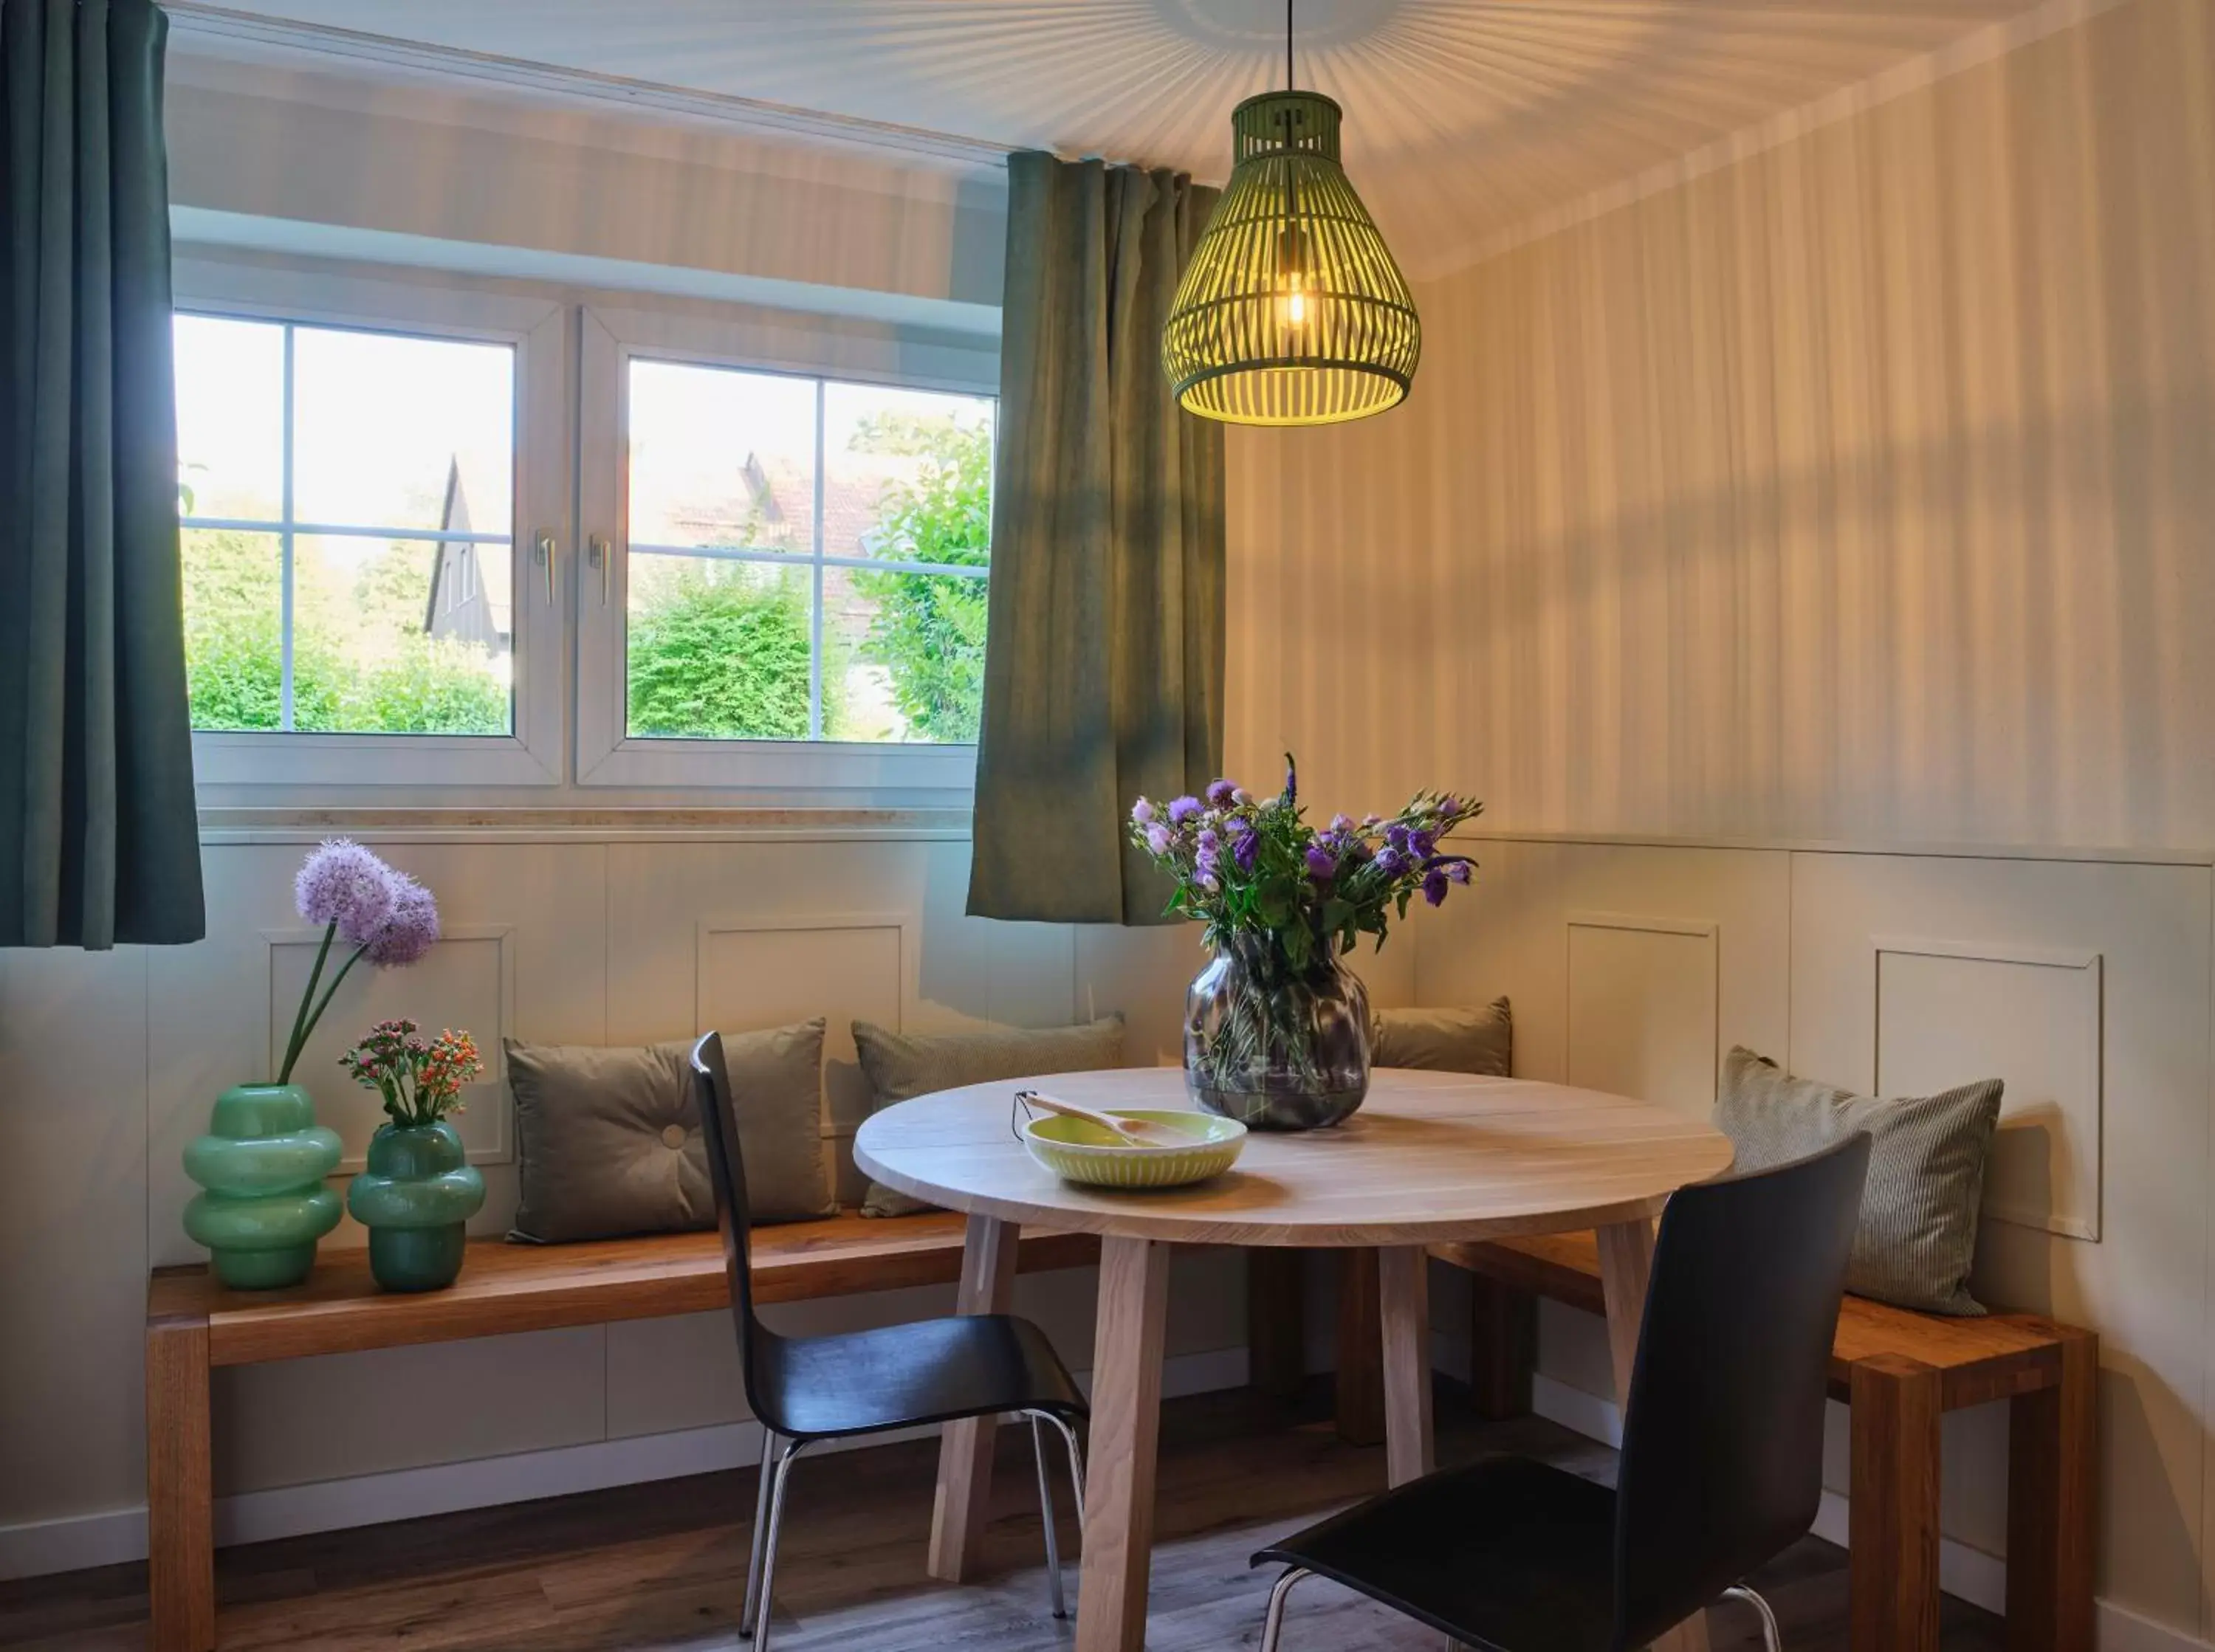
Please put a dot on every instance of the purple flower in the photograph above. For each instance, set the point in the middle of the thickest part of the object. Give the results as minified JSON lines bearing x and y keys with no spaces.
{"x":411,"y":931}
{"x":1203,"y":866}
{"x":1183,"y":810}
{"x":1372,"y":821}
{"x":1158,"y":838}
{"x":1458,"y":871}
{"x":1323,"y":865}
{"x":1219,"y":793}
{"x":1291,"y":782}
{"x":1422,"y":843}
{"x":1246,"y":848}
{"x":1341,"y":824}
{"x":1450,"y":805}
{"x":1434,"y":885}
{"x":1143,"y":812}
{"x":344,"y":883}
{"x":1396,"y":836}
{"x":1390,"y":861}
{"x":1209,"y":841}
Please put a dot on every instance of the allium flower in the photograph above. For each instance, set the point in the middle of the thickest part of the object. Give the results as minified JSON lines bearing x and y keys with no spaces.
{"x":1183,"y":810}
{"x":1143,"y":812}
{"x":410,"y":932}
{"x":1219,"y":793}
{"x":1323,"y":865}
{"x":344,"y":883}
{"x":1434,"y":885}
{"x":1158,"y":838}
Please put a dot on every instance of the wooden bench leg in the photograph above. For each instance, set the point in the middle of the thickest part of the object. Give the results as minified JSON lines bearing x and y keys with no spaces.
{"x":2053,"y":1463}
{"x":1361,"y":1351}
{"x":179,"y":1491}
{"x":1276,"y":1323}
{"x":965,"y":1448}
{"x":1503,"y":1348}
{"x":1892,"y":1515}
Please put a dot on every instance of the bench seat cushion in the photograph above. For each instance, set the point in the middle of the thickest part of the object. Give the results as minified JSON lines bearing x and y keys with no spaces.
{"x":609,"y":1140}
{"x":1926,"y":1176}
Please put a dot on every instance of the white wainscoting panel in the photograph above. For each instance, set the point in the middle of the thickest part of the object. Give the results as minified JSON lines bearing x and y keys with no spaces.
{"x":2028,"y":1015}
{"x":1644,"y":1007}
{"x":466,"y":982}
{"x":2145,"y":1284}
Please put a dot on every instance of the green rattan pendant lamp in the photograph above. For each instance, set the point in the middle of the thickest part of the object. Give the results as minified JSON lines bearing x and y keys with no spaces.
{"x":1292,"y":311}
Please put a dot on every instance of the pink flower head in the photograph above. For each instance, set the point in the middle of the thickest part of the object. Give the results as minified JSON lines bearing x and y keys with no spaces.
{"x":411,"y":931}
{"x":1143,"y":811}
{"x":342,"y":883}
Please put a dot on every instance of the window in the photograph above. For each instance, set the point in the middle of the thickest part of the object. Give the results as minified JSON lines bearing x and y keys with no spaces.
{"x":348,"y":503}
{"x":807,"y":558}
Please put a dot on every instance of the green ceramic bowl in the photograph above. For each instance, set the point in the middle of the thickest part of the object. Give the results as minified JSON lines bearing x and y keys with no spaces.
{"x":1078,"y":1151}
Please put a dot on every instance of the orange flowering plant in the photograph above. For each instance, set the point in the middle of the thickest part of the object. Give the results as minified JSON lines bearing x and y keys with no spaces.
{"x":420,"y":1082}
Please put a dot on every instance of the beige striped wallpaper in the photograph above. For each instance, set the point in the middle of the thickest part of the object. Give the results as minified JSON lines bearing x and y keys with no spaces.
{"x":1862,"y":489}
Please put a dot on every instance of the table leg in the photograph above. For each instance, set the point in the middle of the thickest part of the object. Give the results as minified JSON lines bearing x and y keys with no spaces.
{"x":1403,"y":1278}
{"x":2053,"y":1464}
{"x":1126,"y":1420}
{"x":965,"y":1448}
{"x":1358,"y":1386}
{"x":1626,"y":1263}
{"x":179,"y":1492}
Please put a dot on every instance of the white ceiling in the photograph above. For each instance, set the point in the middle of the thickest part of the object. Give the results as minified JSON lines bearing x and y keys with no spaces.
{"x":1464,"y":117}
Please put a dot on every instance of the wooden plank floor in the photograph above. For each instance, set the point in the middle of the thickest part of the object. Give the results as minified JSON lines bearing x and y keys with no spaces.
{"x":662,"y":1568}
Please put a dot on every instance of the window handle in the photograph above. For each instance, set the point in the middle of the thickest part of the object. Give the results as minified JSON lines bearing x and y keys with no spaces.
{"x":596,"y":553}
{"x":542,"y":553}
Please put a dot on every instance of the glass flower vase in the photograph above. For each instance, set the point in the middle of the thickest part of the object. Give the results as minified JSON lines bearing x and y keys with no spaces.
{"x":1273,"y":1046}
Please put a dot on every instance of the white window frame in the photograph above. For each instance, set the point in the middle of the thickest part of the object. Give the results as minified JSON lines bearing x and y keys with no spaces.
{"x":537,"y":328}
{"x":612,"y":336}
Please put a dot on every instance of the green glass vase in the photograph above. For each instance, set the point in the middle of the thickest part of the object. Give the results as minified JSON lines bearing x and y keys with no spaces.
{"x":263,"y":1204}
{"x":416,"y":1199}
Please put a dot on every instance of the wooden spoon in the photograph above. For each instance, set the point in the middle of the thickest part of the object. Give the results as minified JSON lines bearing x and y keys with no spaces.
{"x":1134,"y":1132}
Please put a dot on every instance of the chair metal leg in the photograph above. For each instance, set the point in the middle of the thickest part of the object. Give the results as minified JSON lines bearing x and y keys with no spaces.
{"x":763,"y":1606}
{"x":1769,"y":1637}
{"x":1274,"y":1625}
{"x":762,"y":1476}
{"x":1046,"y":1515}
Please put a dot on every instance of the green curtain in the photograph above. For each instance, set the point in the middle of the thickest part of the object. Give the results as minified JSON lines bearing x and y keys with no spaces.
{"x":99,"y":841}
{"x":1103,"y":660}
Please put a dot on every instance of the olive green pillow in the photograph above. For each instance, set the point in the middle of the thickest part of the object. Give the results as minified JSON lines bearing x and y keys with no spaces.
{"x":902,"y":1065}
{"x":1446,"y":1040}
{"x":1926,"y":1172}
{"x":608,"y":1139}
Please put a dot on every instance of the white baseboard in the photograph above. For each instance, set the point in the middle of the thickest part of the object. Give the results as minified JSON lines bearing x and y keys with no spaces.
{"x":1970,"y":1574}
{"x":111,"y":1538}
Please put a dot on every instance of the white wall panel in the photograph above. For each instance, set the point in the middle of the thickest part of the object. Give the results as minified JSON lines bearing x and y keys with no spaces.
{"x":1644,"y":1010}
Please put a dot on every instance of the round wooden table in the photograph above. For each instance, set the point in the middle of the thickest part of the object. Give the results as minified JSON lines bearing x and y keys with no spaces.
{"x":1431,"y":1157}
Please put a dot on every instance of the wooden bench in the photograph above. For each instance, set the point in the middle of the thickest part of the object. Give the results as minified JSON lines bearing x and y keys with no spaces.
{"x":1900,"y":1371}
{"x":193,"y":1325}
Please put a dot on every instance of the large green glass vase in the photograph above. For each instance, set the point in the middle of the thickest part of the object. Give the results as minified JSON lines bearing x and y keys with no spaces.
{"x":263,"y":1204}
{"x":416,"y":1199}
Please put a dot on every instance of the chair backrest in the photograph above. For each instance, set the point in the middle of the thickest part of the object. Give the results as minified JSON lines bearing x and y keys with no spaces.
{"x":727,"y":1173}
{"x":1722,"y":1442}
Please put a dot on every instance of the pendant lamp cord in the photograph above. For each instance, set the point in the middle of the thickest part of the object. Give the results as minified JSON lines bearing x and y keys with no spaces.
{"x":1288,"y":44}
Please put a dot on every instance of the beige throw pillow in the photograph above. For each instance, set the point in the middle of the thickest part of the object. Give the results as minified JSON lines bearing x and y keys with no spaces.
{"x":1926,"y":1174}
{"x":1446,"y":1040}
{"x":608,"y":1139}
{"x":902,"y":1065}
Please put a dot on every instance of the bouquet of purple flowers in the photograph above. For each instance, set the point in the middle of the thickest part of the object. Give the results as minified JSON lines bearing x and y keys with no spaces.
{"x":1245,"y":866}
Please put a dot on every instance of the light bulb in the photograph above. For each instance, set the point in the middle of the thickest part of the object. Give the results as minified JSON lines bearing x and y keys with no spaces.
{"x":1296,"y":305}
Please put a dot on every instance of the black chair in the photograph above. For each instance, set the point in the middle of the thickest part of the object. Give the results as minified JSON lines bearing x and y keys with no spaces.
{"x":807,"y":1389}
{"x":1722,"y":1466}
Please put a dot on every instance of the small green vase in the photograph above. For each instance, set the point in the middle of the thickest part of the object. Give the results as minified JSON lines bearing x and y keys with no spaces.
{"x":416,"y":1199}
{"x":263,"y":1205}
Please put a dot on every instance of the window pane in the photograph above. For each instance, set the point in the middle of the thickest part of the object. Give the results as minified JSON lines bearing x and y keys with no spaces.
{"x":907,"y":475}
{"x":401,"y":432}
{"x":231,"y":418}
{"x":721,"y":458}
{"x":718,"y":649}
{"x":402,"y":637}
{"x":905,"y":656}
{"x":234,"y":615}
